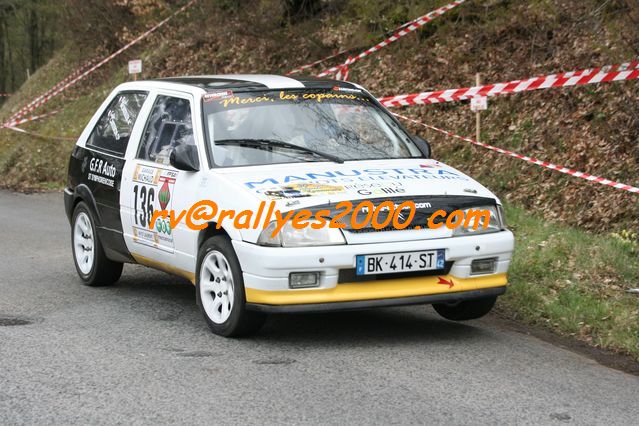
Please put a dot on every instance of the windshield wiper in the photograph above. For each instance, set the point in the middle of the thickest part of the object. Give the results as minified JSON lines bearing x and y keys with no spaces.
{"x":282,"y":144}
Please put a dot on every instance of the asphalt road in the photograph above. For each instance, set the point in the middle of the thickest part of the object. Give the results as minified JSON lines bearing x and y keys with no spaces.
{"x":140,"y":352}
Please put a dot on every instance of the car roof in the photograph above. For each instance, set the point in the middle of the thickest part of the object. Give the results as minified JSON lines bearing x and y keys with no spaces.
{"x":248,"y":82}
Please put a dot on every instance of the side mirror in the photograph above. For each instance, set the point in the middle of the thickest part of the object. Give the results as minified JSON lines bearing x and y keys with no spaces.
{"x":423,"y":145}
{"x":184,"y":157}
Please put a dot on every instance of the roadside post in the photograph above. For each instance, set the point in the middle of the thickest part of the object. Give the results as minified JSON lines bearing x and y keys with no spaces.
{"x":135,"y":68}
{"x":478,"y":104}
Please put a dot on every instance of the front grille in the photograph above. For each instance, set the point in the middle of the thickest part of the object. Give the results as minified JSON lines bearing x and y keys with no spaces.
{"x":385,"y":229}
{"x":428,"y":206}
{"x":350,"y":276}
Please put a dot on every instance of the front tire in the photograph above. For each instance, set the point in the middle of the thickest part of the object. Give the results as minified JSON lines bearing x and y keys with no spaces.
{"x":220,"y":290}
{"x":92,"y":265}
{"x":466,"y":310}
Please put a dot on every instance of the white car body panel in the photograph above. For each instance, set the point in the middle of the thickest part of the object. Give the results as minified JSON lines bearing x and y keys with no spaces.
{"x":353,"y":180}
{"x":313,"y":183}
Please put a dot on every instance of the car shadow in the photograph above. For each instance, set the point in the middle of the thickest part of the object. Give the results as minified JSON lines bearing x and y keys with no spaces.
{"x":140,"y":280}
{"x":371,"y":326}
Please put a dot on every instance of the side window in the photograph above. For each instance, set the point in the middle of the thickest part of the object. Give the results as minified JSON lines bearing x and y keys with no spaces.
{"x":169,"y":125}
{"x":113,"y":130}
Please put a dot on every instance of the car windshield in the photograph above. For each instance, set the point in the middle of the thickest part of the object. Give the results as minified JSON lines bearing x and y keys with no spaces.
{"x":295,"y":126}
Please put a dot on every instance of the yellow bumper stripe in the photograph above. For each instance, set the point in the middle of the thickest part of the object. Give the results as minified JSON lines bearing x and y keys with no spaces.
{"x":371,"y":290}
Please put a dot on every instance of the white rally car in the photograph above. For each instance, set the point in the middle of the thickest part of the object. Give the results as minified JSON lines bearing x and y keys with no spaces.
{"x":305,"y":143}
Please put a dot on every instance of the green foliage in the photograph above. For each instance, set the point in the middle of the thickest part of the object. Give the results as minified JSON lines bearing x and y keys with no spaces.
{"x":28,"y":38}
{"x":99,"y":23}
{"x":574,"y":282}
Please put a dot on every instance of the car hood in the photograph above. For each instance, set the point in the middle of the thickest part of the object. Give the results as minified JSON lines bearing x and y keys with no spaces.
{"x":299,"y":185}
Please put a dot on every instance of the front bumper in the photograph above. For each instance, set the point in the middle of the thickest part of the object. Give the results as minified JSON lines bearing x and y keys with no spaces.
{"x":455,"y":297}
{"x":266,"y":271}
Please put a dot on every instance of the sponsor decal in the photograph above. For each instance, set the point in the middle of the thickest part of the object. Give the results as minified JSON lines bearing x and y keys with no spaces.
{"x":395,"y":206}
{"x":124,"y":108}
{"x":114,"y":127}
{"x":102,"y":167}
{"x":373,"y":185}
{"x":434,"y":165}
{"x":319,"y":97}
{"x":229,"y":99}
{"x":146,"y":174}
{"x":381,"y":191}
{"x":423,"y":205}
{"x":355,"y":175}
{"x":299,"y":190}
{"x":152,"y":190}
{"x":444,"y":281}
{"x":164,"y":195}
{"x":210,"y":97}
{"x":163,"y":226}
{"x":284,"y":192}
{"x":142,"y":234}
{"x":236,"y":100}
{"x":101,"y":171}
{"x":346,"y":89}
{"x":101,"y":179}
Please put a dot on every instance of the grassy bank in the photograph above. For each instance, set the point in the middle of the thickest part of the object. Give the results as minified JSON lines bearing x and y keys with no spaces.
{"x":574,"y":282}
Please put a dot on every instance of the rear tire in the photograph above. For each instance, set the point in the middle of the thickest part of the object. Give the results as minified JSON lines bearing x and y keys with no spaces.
{"x":466,"y":310}
{"x":220,"y":290}
{"x":92,"y":265}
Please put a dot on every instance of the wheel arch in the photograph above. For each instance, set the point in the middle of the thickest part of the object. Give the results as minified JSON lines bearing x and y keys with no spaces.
{"x":83,"y":193}
{"x":211,"y":230}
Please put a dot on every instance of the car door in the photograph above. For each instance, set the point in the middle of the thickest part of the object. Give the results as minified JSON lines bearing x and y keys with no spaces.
{"x":102,"y":163}
{"x":152,"y":184}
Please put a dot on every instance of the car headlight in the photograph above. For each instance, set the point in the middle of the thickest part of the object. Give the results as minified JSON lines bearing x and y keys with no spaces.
{"x":305,"y":237}
{"x":502,"y":216}
{"x":477,"y":216}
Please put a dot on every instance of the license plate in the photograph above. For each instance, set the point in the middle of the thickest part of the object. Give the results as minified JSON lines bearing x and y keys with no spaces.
{"x":390,"y":263}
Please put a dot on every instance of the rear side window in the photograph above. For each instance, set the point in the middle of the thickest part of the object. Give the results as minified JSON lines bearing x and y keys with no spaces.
{"x":113,"y":130}
{"x":169,"y":126}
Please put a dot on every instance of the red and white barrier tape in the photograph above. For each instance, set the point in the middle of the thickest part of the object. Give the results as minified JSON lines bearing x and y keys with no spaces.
{"x":41,"y":136}
{"x":342,"y":73}
{"x":404,"y":30}
{"x":341,"y":52}
{"x":108,"y":58}
{"x":23,"y":120}
{"x":551,"y":166}
{"x":28,"y":108}
{"x":626,"y":71}
{"x":5,"y":95}
{"x":312,"y":64}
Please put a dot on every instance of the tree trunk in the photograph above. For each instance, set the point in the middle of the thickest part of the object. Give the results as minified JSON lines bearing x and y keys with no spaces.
{"x":34,"y":38}
{"x":3,"y":67}
{"x":297,"y":10}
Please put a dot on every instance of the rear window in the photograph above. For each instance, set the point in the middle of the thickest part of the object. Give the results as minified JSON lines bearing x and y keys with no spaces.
{"x":113,"y":130}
